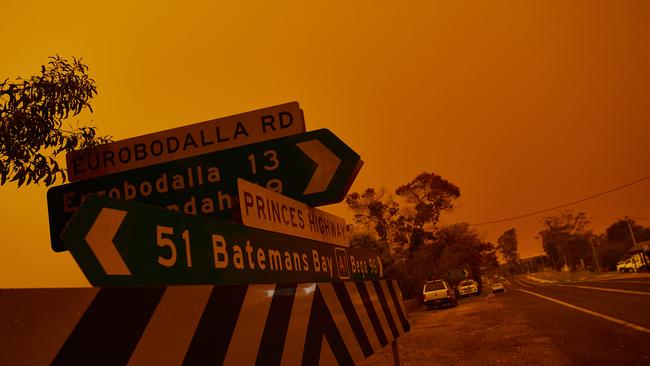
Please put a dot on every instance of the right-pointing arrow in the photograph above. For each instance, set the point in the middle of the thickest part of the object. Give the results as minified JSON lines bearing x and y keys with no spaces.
{"x":100,"y":240}
{"x":327,"y":164}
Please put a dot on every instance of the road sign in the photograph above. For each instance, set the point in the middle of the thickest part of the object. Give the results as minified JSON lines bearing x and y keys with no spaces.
{"x":457,"y":274}
{"x":296,"y":166}
{"x":287,"y":324}
{"x":199,"y":138}
{"x":118,"y":242}
{"x":267,"y":210}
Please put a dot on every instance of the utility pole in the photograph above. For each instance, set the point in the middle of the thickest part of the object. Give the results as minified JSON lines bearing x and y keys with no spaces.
{"x":627,"y":219}
{"x":593,"y":252}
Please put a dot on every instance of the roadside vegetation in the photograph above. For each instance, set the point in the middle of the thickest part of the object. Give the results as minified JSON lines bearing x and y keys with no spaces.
{"x":32,"y":115}
{"x":403,"y":226}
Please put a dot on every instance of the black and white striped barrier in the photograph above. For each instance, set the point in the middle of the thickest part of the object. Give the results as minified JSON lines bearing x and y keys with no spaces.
{"x":289,"y":324}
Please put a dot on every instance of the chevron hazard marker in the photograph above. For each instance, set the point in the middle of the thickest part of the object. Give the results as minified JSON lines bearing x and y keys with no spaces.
{"x":270,"y":324}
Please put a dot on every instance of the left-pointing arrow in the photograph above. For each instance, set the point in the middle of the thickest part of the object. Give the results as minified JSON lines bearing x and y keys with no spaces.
{"x":100,"y":240}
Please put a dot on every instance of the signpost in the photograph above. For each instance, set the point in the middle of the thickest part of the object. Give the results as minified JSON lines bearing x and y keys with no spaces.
{"x":457,"y":274}
{"x":118,"y":243}
{"x":182,"y":142}
{"x":286,"y":276}
{"x":267,"y":210}
{"x":315,"y":168}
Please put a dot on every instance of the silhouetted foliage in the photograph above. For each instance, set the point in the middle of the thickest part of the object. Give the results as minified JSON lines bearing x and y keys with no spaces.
{"x":412,"y":246}
{"x":566,"y":240}
{"x":507,"y":245}
{"x":375,"y":212}
{"x":32,"y":112}
{"x":617,"y":240}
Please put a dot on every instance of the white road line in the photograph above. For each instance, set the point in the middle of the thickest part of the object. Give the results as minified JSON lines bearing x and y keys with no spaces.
{"x":619,"y":281}
{"x":609,"y":290}
{"x":522,"y":283}
{"x":590,"y":312}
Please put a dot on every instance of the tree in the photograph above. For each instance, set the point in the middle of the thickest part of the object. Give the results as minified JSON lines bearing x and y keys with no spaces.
{"x":32,"y":112}
{"x":367,"y":242}
{"x":617,"y":240}
{"x":460,"y":247}
{"x":374,"y":211}
{"x":507,"y":245}
{"x":566,"y":236}
{"x":430,"y":195}
{"x":413,"y":254}
{"x":619,"y":231}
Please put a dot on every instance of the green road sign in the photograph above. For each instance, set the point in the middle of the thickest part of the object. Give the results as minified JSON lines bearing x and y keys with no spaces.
{"x":185,"y":141}
{"x":118,"y":243}
{"x":457,"y":274}
{"x":315,"y":168}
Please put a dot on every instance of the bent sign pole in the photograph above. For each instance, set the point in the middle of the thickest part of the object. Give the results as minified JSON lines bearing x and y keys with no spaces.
{"x":118,"y":243}
{"x":207,"y":184}
{"x":182,"y":142}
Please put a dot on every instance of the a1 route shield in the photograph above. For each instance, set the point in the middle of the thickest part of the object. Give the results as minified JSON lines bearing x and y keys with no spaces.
{"x":118,"y":242}
{"x":315,"y":168}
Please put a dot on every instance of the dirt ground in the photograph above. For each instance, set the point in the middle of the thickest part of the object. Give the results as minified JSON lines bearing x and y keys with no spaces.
{"x":477,"y":332}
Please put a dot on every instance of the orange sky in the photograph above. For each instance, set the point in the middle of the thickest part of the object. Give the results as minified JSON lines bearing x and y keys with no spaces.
{"x":523,"y":105}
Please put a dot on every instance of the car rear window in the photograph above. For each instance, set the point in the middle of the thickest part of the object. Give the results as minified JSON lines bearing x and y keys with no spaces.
{"x":434,"y":286}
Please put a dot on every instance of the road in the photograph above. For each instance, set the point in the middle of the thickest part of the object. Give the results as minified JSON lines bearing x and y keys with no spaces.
{"x":603,"y":322}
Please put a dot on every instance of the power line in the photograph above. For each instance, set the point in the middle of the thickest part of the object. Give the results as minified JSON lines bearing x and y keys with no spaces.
{"x":566,"y":204}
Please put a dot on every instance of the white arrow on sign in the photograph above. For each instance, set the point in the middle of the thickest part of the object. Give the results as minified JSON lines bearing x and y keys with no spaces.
{"x":327,"y":164}
{"x":100,"y":240}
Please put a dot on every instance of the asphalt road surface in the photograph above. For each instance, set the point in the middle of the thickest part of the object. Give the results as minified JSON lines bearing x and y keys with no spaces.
{"x":604,"y":322}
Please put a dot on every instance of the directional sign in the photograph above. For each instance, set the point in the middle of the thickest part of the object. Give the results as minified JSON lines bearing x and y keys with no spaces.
{"x":118,"y":242}
{"x":265,"y":209}
{"x":457,"y":274}
{"x":214,"y":135}
{"x":207,"y":184}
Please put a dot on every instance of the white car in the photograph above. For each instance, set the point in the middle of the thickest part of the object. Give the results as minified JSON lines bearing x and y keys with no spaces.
{"x":468,"y":287}
{"x":626,"y":265}
{"x":439,"y":292}
{"x":498,"y":286}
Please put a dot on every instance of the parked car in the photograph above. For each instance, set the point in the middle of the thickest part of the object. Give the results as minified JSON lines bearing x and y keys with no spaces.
{"x":438,"y":293}
{"x":468,"y":287}
{"x":626,"y":265}
{"x":498,"y":287}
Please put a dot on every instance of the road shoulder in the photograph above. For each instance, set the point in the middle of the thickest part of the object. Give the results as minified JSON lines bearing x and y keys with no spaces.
{"x":481,"y":332}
